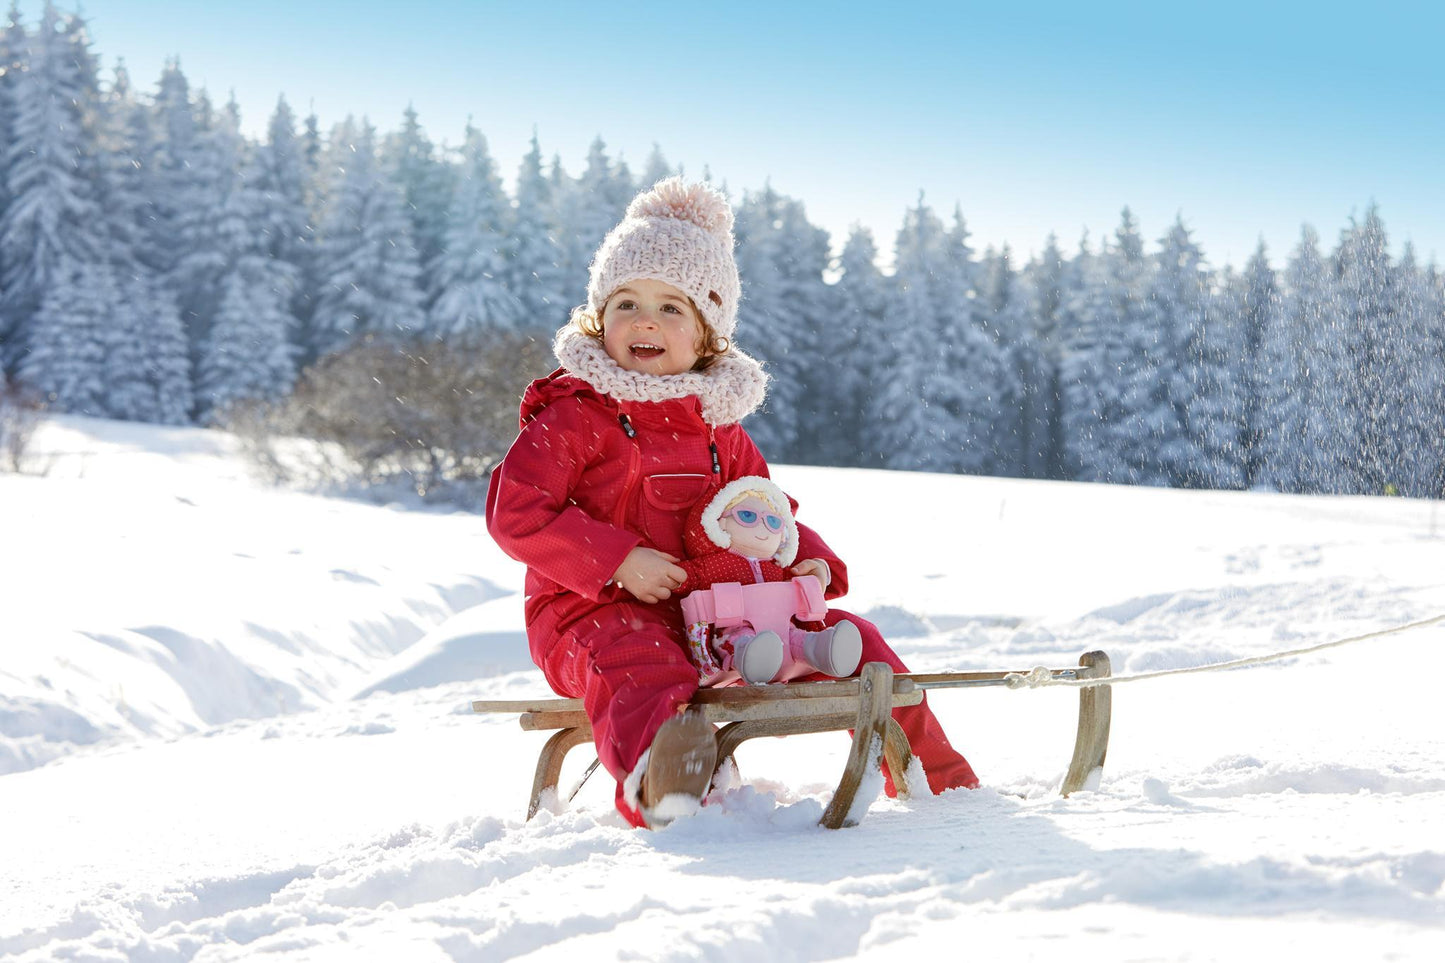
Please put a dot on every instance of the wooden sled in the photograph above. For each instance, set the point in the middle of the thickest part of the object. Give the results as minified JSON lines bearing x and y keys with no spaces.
{"x":863,"y":705}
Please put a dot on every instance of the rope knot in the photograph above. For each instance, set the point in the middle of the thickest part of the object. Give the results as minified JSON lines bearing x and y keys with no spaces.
{"x":1037,"y":676}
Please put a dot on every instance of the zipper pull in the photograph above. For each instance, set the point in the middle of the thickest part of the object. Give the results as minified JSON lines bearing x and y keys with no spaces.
{"x":627,"y":426}
{"x":712,"y":447}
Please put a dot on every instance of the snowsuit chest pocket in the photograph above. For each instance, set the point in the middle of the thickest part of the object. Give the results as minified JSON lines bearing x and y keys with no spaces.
{"x":666,"y":501}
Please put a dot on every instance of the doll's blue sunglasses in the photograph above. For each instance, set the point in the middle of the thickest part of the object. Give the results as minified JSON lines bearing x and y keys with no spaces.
{"x":748,"y":518}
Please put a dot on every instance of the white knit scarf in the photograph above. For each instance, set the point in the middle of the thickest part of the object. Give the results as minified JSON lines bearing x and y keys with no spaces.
{"x":730,"y":390}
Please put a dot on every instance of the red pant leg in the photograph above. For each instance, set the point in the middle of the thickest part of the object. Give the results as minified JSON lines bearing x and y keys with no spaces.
{"x":628,"y":663}
{"x":944,"y":766}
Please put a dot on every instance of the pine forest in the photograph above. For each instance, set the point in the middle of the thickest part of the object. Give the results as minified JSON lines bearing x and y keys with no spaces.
{"x":157,"y":265}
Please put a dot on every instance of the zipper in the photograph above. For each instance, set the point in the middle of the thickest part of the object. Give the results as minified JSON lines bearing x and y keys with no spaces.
{"x":712,"y":447}
{"x":634,"y":471}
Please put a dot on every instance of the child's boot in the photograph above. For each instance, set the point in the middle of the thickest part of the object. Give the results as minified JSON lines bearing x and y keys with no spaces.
{"x":836,"y":650}
{"x":680,"y":764}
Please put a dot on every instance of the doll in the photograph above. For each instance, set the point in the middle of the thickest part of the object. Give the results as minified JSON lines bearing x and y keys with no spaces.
{"x":743,"y":535}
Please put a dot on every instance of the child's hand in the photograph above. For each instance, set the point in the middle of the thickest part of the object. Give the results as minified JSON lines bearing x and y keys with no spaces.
{"x":815,"y":567}
{"x":649,"y":575}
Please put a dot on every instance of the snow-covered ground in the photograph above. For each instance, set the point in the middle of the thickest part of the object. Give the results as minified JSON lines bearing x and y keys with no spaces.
{"x":234,"y":724}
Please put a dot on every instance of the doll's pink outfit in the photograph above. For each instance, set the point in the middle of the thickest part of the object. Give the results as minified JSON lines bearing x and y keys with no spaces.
{"x":734,"y":604}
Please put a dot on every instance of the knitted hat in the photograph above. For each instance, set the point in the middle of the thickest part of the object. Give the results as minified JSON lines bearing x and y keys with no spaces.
{"x":678,"y":233}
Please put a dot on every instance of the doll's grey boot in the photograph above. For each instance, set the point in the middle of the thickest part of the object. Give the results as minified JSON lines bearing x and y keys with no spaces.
{"x":759,"y":657}
{"x":836,"y":650}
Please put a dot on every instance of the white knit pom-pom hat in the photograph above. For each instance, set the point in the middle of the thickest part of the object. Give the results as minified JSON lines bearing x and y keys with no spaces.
{"x":678,"y":233}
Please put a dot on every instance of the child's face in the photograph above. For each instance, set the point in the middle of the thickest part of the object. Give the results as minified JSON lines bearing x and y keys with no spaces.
{"x":652,"y":327}
{"x":751,"y":524}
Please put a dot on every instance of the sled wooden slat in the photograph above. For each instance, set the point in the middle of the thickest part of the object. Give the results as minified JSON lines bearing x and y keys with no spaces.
{"x":863,"y":704}
{"x":870,"y":734}
{"x":1096,"y":705}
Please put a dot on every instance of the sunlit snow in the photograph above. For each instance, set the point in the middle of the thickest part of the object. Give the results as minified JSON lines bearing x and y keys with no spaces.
{"x":235,"y":724}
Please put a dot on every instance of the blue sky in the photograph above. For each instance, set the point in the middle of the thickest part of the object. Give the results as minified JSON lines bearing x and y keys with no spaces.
{"x":1248,"y":119}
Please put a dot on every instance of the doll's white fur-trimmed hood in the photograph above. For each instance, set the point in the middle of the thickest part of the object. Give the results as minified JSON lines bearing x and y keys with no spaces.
{"x":712,"y":514}
{"x":730,"y":390}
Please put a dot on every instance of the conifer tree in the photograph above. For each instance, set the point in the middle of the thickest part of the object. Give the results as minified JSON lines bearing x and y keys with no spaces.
{"x":1421,"y":383}
{"x":147,"y":367}
{"x":1148,"y":422}
{"x":1370,"y":306}
{"x":534,"y":272}
{"x":426,"y":181}
{"x":366,"y":262}
{"x":1268,"y":372}
{"x":657,"y":169}
{"x":781,"y":258}
{"x":52,"y":220}
{"x":861,"y":325}
{"x":14,"y":51}
{"x":65,"y":360}
{"x":1046,"y":281}
{"x":469,"y":277}
{"x":587,"y":209}
{"x":1317,"y":422}
{"x":1092,"y":356}
{"x":1017,"y":421}
{"x":147,"y":363}
{"x":1190,"y":415}
{"x":945,"y":367}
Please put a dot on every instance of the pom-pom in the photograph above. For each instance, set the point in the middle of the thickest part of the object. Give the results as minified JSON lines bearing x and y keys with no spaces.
{"x":697,"y":203}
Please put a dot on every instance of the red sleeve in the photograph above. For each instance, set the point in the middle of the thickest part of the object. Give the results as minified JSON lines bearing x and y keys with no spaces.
{"x":747,"y":460}
{"x":532,"y":517}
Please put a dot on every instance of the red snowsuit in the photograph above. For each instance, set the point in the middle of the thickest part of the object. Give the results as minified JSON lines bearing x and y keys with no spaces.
{"x":588,"y":479}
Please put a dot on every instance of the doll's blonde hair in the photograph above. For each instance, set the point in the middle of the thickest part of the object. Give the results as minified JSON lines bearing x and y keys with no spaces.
{"x":760,"y":496}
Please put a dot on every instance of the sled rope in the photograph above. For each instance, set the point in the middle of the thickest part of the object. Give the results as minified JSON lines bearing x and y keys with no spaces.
{"x":1040,"y":677}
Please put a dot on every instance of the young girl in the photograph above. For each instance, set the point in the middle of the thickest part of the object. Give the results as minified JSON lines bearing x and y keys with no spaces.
{"x":615,"y":449}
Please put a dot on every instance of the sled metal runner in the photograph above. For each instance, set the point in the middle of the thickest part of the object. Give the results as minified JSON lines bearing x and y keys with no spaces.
{"x":863,"y":705}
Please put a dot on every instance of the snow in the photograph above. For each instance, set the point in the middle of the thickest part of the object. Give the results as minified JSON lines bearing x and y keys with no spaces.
{"x":235,"y":723}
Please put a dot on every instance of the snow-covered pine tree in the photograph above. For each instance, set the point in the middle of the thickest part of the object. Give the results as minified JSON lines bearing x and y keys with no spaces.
{"x":427,"y":183}
{"x":14,"y":44}
{"x":1193,"y":414}
{"x":943,"y":369}
{"x":1148,"y":434}
{"x":1316,"y":422}
{"x":534,"y":272}
{"x":1370,"y":305}
{"x":1017,"y":424}
{"x":366,"y":261}
{"x":657,"y":169}
{"x":248,"y":354}
{"x":1045,"y":293}
{"x":586,"y":210}
{"x":147,"y":363}
{"x":1269,"y":374}
{"x":177,"y":184}
{"x":857,"y":426}
{"x":65,"y":357}
{"x":147,"y":366}
{"x":51,"y":225}
{"x":279,"y":176}
{"x":1422,"y":373}
{"x":248,"y":351}
{"x":1091,"y":359}
{"x":785,"y":319}
{"x":469,"y":276}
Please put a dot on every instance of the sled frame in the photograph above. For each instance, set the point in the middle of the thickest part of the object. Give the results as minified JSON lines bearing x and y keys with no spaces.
{"x":863,"y":705}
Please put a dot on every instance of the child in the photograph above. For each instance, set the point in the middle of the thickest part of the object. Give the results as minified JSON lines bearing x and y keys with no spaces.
{"x":615,"y":448}
{"x":745,"y":533}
